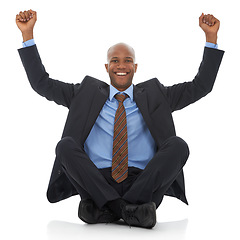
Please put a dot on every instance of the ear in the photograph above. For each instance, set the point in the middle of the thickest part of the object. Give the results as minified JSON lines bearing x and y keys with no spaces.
{"x":106,"y":66}
{"x":136,"y":65}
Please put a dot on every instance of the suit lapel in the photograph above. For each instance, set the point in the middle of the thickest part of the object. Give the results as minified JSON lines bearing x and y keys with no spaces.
{"x":98,"y":101}
{"x":141,"y":100}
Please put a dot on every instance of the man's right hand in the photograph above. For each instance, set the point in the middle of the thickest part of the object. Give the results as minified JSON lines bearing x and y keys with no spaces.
{"x":25,"y":22}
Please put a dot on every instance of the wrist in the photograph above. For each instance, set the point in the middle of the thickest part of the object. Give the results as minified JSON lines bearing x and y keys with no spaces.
{"x":27,"y":35}
{"x":211,"y":38}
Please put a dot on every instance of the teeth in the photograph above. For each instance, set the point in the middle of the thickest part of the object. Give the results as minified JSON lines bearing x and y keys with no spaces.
{"x":121,"y":74}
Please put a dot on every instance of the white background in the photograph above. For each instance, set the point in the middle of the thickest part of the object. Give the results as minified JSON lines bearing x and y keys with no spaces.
{"x":72,"y":38}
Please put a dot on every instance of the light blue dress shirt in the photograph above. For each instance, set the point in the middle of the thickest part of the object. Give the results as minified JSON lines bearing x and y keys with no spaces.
{"x":28,"y":43}
{"x":141,"y":146}
{"x":98,"y":145}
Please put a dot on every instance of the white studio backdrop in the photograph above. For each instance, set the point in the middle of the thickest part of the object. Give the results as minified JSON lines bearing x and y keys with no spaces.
{"x":72,"y":38}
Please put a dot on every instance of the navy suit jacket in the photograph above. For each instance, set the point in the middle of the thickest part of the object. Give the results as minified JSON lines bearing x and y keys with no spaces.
{"x":86,"y":99}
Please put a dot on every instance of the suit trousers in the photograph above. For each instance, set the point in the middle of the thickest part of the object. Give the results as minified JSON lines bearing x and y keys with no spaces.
{"x":141,"y":186}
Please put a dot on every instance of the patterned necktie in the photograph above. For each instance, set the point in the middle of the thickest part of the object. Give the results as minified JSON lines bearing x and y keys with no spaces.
{"x":120,"y":142}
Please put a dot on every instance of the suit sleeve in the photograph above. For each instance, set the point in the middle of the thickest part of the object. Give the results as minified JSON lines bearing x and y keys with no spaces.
{"x":183,"y":94}
{"x":53,"y":90}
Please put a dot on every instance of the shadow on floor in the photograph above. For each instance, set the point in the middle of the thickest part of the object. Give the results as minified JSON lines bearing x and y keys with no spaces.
{"x":58,"y":230}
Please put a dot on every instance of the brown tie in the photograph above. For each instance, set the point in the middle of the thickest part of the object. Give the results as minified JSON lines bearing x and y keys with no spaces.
{"x":120,"y":142}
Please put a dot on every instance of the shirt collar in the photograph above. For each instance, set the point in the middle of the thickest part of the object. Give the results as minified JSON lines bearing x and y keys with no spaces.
{"x":114,"y":91}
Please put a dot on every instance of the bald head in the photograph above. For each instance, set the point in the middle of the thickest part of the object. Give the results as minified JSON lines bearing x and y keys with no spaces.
{"x":120,"y":47}
{"x":121,"y":65}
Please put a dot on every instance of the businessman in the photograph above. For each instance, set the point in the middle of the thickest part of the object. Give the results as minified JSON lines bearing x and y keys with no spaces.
{"x":119,"y":150}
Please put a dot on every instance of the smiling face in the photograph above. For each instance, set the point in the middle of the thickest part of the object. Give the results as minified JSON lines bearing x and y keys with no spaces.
{"x":121,"y":66}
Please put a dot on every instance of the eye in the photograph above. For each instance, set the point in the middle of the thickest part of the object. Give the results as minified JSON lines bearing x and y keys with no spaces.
{"x":114,"y":61}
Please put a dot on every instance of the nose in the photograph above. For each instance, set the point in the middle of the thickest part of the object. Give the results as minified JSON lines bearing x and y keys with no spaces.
{"x":121,"y":66}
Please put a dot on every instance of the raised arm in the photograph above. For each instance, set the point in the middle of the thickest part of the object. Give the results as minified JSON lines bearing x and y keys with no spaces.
{"x":54,"y":90}
{"x":183,"y":94}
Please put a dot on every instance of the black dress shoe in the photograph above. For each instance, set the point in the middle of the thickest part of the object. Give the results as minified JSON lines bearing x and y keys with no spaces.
{"x":143,"y":215}
{"x":90,"y":213}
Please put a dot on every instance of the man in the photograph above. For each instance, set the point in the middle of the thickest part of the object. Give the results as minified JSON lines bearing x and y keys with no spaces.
{"x":119,"y":150}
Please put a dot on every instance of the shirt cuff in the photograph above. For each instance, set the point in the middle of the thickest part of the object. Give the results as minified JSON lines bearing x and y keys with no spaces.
{"x":211,"y":45}
{"x":28,"y":43}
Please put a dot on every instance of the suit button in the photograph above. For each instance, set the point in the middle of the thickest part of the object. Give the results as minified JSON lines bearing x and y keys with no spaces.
{"x":59,"y":172}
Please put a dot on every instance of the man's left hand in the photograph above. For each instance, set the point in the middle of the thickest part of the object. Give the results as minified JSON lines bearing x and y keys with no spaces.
{"x":210,"y":26}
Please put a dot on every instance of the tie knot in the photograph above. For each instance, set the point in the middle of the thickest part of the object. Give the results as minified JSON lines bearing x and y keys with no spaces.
{"x":121,"y":97}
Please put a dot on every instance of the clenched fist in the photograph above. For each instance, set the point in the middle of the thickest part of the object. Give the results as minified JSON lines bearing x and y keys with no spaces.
{"x":25,"y":22}
{"x":210,"y":25}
